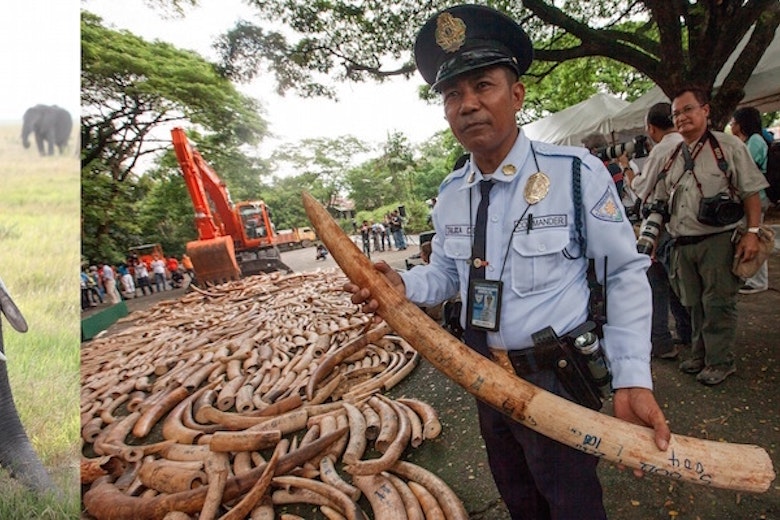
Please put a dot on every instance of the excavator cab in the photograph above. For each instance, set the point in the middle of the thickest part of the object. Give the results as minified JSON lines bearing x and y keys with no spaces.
{"x":233,"y":239}
{"x":253,"y":222}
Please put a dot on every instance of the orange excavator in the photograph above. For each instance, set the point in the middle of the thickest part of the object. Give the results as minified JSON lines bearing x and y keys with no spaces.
{"x":233,"y":239}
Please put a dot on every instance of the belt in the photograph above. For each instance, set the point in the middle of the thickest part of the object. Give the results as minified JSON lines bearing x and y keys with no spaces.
{"x":521,"y":362}
{"x":695,"y":239}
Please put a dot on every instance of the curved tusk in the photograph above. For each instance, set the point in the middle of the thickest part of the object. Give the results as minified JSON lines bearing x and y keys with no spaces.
{"x":332,"y":361}
{"x":448,"y":501}
{"x":255,"y":494}
{"x":428,"y":415}
{"x":393,"y":452}
{"x":11,"y":311}
{"x":217,"y":468}
{"x":413,"y":507}
{"x":343,"y":503}
{"x":711,"y":463}
{"x":427,"y":501}
{"x":106,"y":501}
{"x":356,"y":445}
{"x":330,"y":476}
{"x":383,"y":496}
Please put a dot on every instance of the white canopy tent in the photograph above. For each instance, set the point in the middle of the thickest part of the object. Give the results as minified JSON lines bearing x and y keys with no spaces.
{"x":570,"y":125}
{"x":762,"y":90}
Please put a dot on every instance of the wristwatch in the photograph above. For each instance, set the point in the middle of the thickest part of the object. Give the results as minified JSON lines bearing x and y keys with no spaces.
{"x":753,"y":230}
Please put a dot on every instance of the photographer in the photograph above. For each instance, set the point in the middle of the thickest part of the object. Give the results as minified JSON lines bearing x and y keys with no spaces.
{"x":708,"y":183}
{"x":660,"y":129}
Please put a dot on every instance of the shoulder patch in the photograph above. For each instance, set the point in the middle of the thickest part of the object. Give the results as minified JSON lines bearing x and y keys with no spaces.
{"x":607,"y":208}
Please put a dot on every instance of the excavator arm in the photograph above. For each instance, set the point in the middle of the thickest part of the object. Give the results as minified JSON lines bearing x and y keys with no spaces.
{"x":213,"y":254}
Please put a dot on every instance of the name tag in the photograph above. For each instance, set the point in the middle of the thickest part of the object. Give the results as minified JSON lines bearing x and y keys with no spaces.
{"x":458,"y":230}
{"x":542,"y":222}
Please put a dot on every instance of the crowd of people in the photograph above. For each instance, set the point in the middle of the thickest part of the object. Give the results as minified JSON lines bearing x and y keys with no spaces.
{"x":376,"y":236}
{"x":136,"y":277}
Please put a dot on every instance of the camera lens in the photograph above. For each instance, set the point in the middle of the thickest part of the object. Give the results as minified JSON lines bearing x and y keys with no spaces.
{"x":649,"y":233}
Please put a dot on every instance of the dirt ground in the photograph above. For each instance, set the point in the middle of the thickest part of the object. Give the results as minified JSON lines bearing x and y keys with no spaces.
{"x":744,"y":409}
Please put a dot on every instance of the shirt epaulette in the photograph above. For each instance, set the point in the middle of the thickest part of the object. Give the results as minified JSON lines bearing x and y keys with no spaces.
{"x":457,"y":174}
{"x":560,"y":150}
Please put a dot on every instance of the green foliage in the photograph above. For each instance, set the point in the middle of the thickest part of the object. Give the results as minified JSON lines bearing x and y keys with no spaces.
{"x":321,"y":163}
{"x":107,"y":222}
{"x":437,"y":158}
{"x":165,"y":214}
{"x":670,"y":44}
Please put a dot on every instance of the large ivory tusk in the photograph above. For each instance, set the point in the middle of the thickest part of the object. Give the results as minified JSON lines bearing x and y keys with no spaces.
{"x":711,"y":463}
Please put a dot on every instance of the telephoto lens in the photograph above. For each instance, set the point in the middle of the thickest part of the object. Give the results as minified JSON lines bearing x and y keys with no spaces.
{"x":649,"y":233}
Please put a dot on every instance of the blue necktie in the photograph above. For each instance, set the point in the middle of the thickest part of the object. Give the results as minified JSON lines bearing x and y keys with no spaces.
{"x":477,"y":339}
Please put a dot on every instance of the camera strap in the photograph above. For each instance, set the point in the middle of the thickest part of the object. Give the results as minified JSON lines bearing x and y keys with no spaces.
{"x":723,"y":165}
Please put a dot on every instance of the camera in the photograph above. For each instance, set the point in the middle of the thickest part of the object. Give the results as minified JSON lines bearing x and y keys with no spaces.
{"x":655,"y":215}
{"x":636,"y":148}
{"x":720,"y":210}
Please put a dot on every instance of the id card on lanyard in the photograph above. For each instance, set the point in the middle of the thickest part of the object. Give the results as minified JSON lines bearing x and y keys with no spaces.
{"x":484,"y":305}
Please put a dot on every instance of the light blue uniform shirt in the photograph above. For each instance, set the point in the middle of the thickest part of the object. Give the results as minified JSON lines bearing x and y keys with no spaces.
{"x":541,"y":287}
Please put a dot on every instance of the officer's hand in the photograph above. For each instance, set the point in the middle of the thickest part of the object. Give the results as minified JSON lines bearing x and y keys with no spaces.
{"x":747,"y":247}
{"x":363,"y":295}
{"x":638,"y":406}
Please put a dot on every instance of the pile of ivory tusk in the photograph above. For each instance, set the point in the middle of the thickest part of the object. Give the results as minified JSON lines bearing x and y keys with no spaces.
{"x":242,"y":398}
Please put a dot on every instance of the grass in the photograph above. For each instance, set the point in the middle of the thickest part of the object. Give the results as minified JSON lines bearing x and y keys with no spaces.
{"x":39,"y":264}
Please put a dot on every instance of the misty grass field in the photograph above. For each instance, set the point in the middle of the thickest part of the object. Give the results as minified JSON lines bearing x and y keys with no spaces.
{"x":39,"y":264}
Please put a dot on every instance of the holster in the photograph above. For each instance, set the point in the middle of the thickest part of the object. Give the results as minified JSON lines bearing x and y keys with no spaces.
{"x":571,"y":368}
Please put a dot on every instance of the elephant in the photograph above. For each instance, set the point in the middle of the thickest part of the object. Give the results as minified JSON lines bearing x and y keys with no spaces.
{"x":50,"y":124}
{"x":16,"y":452}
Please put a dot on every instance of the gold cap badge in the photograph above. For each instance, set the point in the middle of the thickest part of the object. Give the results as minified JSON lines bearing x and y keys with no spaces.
{"x":450,"y":32}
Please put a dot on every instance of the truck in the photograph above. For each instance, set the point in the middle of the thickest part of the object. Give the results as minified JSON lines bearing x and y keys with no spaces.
{"x":294,"y":238}
{"x":234,"y":239}
{"x":146,"y":252}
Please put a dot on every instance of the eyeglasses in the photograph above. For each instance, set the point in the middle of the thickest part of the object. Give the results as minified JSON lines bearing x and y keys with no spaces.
{"x":687,"y":109}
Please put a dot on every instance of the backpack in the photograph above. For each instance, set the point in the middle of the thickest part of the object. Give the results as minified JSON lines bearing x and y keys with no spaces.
{"x":773,"y":171}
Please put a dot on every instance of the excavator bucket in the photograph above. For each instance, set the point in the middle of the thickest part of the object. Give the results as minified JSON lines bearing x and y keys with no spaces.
{"x":214,"y":260}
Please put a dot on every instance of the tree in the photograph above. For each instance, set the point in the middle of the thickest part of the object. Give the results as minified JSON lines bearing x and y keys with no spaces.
{"x":672,"y":42}
{"x":322,"y":163}
{"x":132,"y":91}
{"x":437,"y":158}
{"x":130,"y":88}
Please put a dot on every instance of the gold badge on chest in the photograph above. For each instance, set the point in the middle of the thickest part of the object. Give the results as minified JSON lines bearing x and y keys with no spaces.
{"x":536,"y":188}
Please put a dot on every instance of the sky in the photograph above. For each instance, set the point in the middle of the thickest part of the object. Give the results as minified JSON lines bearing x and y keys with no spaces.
{"x":369,"y":111}
{"x":40,"y":60}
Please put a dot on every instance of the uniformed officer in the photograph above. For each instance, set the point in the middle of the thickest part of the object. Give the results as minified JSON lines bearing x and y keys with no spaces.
{"x":535,"y":256}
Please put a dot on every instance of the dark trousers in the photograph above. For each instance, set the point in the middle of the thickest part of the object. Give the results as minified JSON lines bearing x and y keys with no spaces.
{"x":539,"y":478}
{"x":144,"y":285}
{"x":665,"y":299}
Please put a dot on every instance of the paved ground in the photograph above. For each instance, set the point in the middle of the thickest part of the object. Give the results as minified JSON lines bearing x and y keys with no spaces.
{"x":744,"y":409}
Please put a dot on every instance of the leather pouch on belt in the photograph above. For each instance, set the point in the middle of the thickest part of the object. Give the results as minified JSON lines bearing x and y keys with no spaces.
{"x":565,"y":364}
